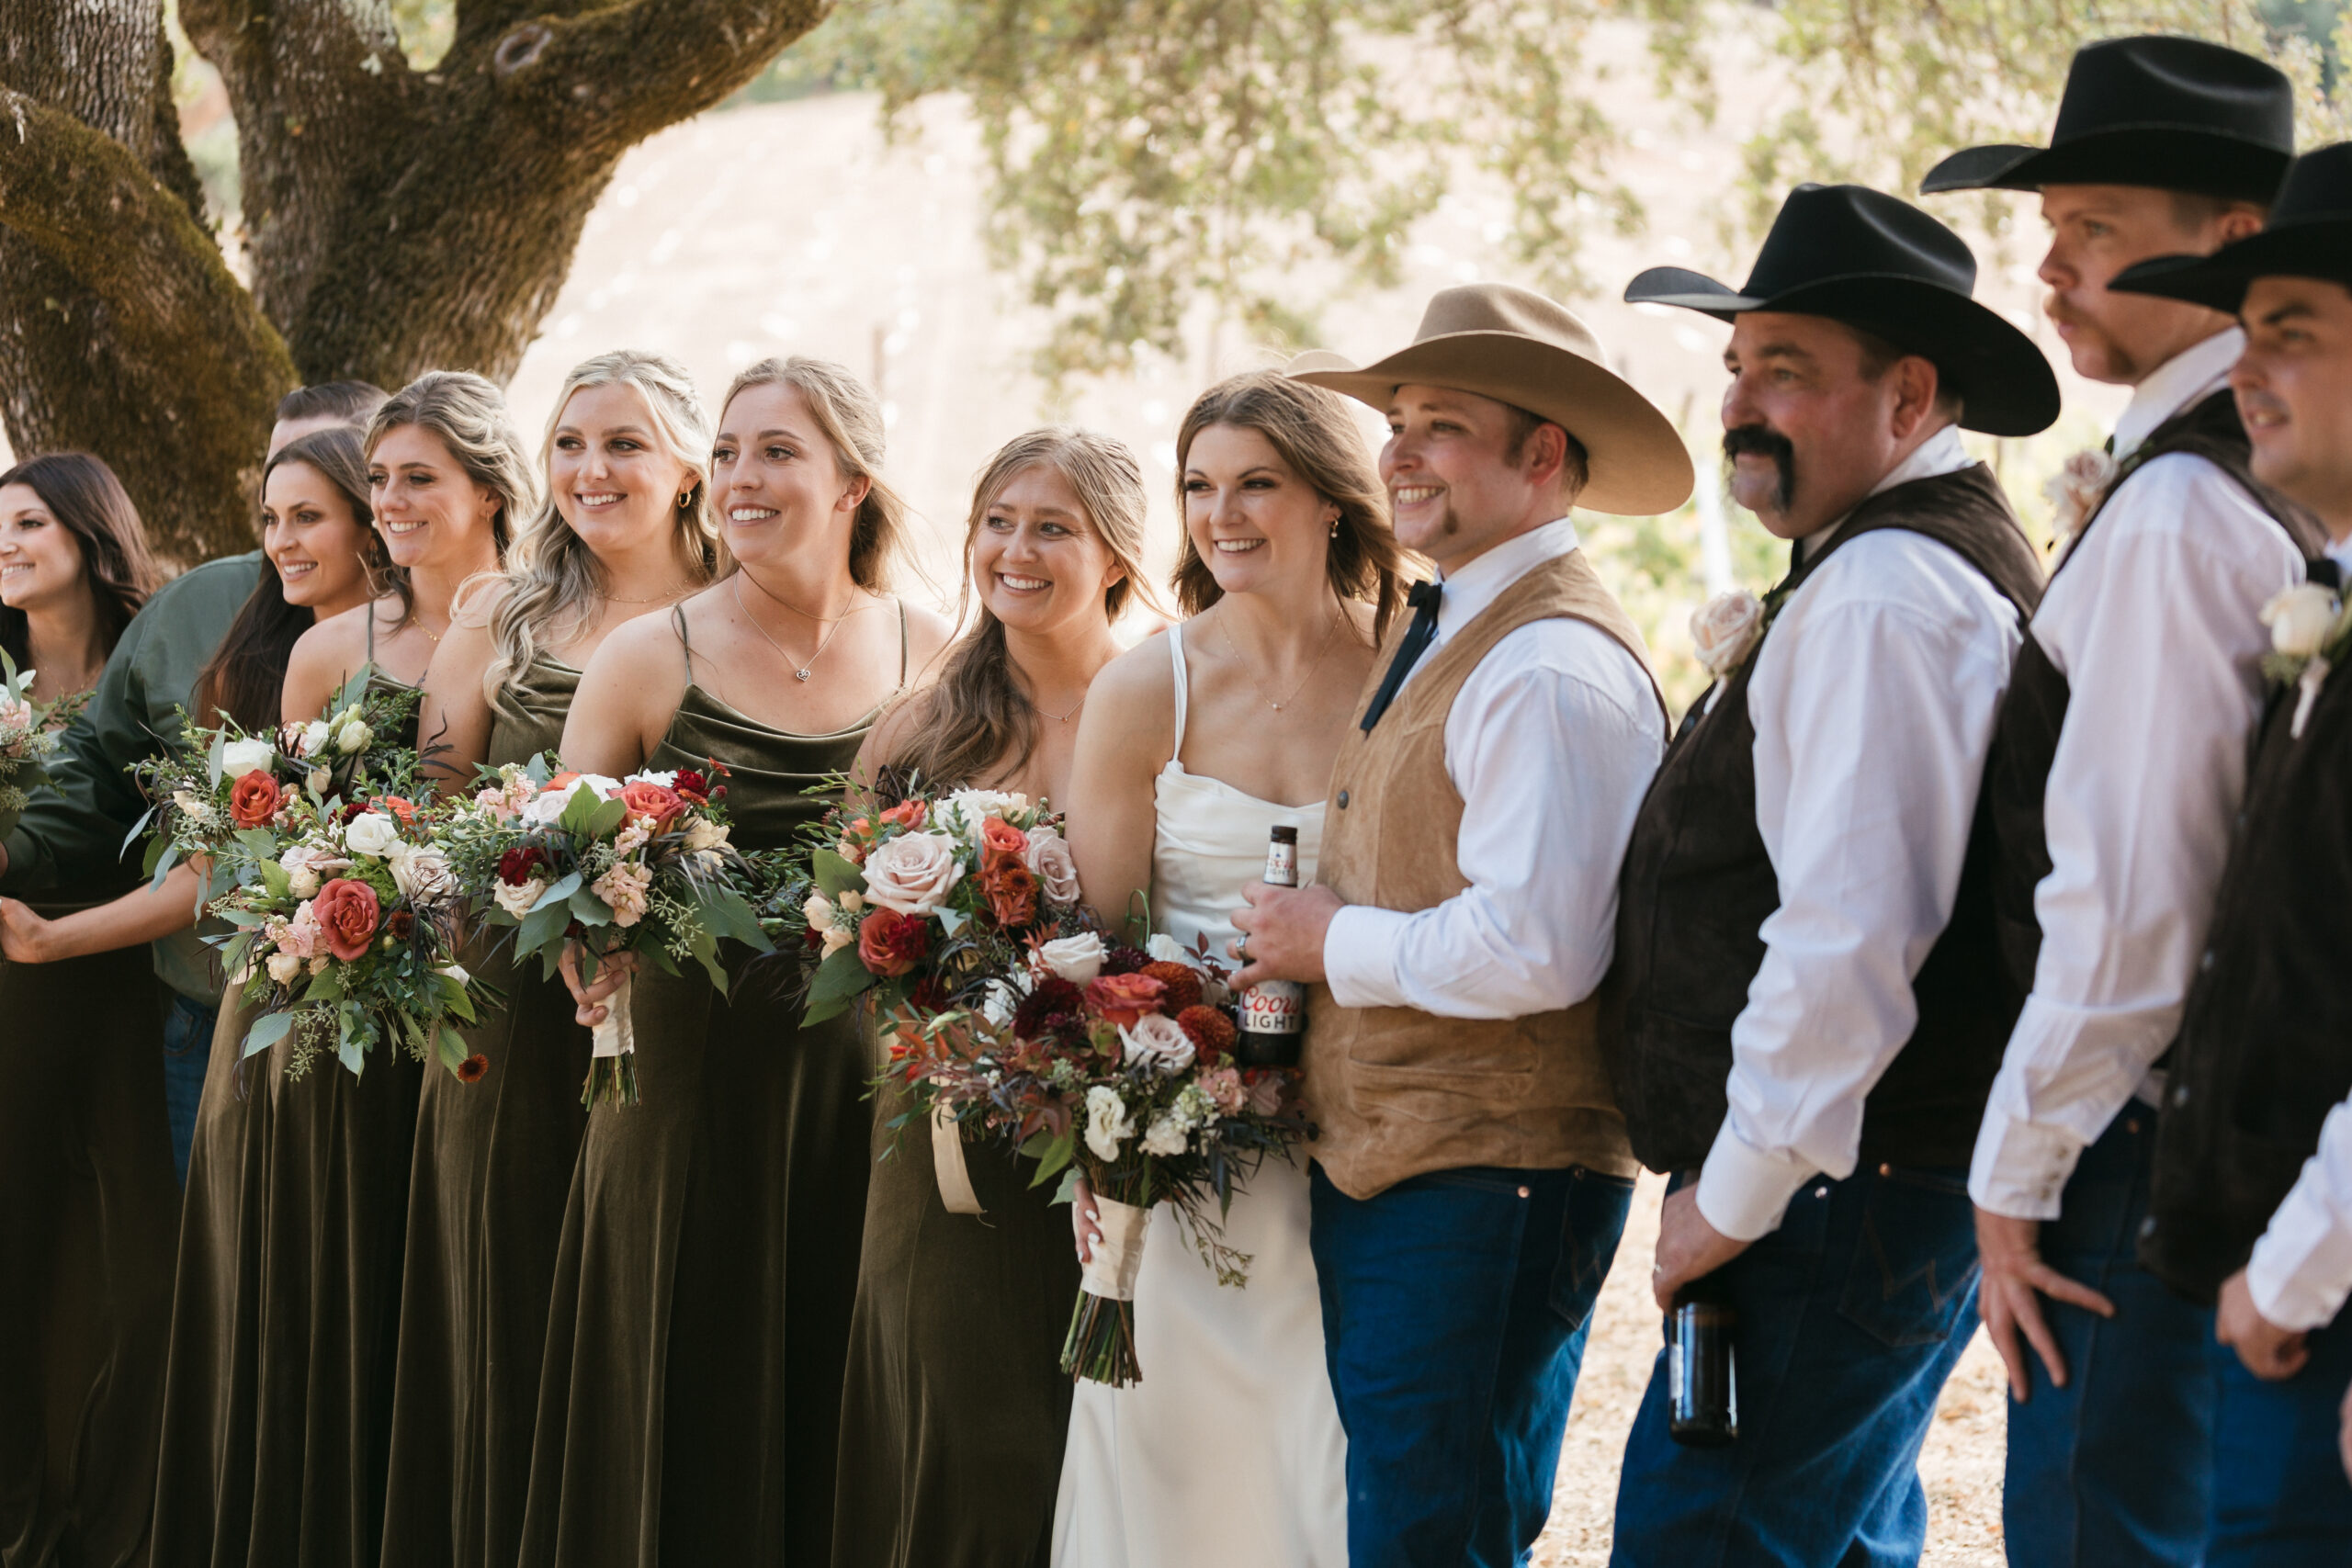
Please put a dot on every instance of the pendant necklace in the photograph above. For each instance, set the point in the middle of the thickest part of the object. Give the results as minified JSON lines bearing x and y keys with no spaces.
{"x":799,"y":671}
{"x":1337,"y":615}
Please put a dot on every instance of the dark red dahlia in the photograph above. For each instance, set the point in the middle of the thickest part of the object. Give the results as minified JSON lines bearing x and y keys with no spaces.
{"x":1053,"y":996}
{"x":519,"y":864}
{"x":1123,"y":960}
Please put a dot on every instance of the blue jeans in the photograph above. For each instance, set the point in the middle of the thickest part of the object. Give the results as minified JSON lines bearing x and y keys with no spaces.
{"x":1849,"y":1317}
{"x":2115,"y":1467}
{"x":187,"y":1051}
{"x":2280,"y":1499}
{"x":1456,"y":1306}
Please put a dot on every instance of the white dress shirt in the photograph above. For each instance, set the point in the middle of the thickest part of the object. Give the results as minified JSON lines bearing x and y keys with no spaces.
{"x":1874,"y":701}
{"x":2154,"y":622}
{"x":1551,"y":743}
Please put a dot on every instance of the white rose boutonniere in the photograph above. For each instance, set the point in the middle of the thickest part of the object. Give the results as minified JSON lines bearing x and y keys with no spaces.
{"x":2307,"y":624}
{"x":1726,"y":629}
{"x":2076,"y":491}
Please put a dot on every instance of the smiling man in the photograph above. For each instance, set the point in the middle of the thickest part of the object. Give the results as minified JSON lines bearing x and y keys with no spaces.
{"x":2120,"y":767}
{"x":2252,"y":1197}
{"x":1808,"y":1005}
{"x":1472,"y":1178}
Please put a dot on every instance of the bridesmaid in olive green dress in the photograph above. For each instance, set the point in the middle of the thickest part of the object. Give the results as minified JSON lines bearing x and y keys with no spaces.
{"x":276,"y":1428}
{"x":693,"y":1379}
{"x":88,"y":1198}
{"x":625,"y":530}
{"x":954,"y":1415}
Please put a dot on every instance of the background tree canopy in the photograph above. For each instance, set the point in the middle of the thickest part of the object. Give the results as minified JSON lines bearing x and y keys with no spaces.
{"x":410,"y":178}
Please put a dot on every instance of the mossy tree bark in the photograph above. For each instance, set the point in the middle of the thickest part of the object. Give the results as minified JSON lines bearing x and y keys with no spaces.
{"x":395,"y":220}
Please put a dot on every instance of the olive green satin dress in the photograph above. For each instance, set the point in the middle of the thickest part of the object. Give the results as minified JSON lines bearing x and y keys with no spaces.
{"x":692,"y":1394}
{"x":89,"y":1205}
{"x":278,"y":1405}
{"x":493,"y":1170}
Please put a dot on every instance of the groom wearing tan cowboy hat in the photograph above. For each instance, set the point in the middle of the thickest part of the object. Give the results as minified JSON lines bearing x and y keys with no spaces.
{"x":1472,"y":1174}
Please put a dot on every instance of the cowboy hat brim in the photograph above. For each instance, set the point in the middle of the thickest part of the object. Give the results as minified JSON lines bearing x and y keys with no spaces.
{"x":2193,"y":159}
{"x":2006,"y":384}
{"x":2319,"y":248}
{"x":1638,"y":465}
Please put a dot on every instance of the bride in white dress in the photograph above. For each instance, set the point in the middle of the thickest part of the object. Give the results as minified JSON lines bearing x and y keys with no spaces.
{"x":1228,"y":1451}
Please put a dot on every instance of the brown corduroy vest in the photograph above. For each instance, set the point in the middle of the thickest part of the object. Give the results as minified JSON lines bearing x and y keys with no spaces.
{"x":1396,"y":1092}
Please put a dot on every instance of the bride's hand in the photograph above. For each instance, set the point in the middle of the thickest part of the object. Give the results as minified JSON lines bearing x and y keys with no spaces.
{"x":23,"y":933}
{"x":1083,"y":1220}
{"x":614,"y":968}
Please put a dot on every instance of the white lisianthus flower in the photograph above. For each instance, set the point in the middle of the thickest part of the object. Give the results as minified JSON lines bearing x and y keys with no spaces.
{"x":667,"y":781}
{"x":1077,"y":959}
{"x":818,"y":912}
{"x":353,"y":738}
{"x":1166,"y":1137}
{"x":455,"y":972}
{"x":284,"y":968}
{"x":1165,"y":949}
{"x":914,"y":872}
{"x":239,"y":757}
{"x":968,"y":809}
{"x":998,"y":999}
{"x":1726,"y":628}
{"x":702,"y":833}
{"x":2299,"y":619}
{"x":517,"y":900}
{"x":1107,"y":1122}
{"x":1156,"y":1041}
{"x":371,"y":833}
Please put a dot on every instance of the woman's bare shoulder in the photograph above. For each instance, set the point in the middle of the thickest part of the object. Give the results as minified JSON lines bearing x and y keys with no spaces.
{"x":1135,"y":695}
{"x":478,"y":598}
{"x":929,"y":636}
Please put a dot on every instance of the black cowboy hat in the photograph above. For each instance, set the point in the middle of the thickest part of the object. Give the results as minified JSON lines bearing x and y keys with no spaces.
{"x":2309,"y":235}
{"x":2171,"y":113}
{"x":1859,"y":256}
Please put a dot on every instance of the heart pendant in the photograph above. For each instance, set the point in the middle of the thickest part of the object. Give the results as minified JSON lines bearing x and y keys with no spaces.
{"x":800,"y":674}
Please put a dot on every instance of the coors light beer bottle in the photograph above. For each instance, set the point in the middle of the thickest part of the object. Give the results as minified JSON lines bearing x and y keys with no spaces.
{"x":1702,"y":1398}
{"x":1274,"y":1013}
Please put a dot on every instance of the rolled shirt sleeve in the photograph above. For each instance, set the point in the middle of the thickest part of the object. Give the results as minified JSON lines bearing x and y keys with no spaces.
{"x":1874,"y":702}
{"x":2301,"y":1271}
{"x":2157,"y":629}
{"x":1551,"y":743}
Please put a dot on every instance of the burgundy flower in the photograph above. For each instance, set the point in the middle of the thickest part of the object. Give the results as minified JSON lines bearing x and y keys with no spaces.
{"x":519,"y":864}
{"x":471,"y":1069}
{"x":1052,"y":995}
{"x":1123,"y":960}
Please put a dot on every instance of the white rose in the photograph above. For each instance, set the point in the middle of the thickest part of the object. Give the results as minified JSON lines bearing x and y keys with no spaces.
{"x":837,"y":938}
{"x":2301,"y":619}
{"x":818,"y":913}
{"x":605,"y":785}
{"x":1077,"y":959}
{"x":1056,"y":867}
{"x":315,"y":738}
{"x":371,"y":833}
{"x":1725,"y":627}
{"x":320,"y":779}
{"x":1107,"y":1122}
{"x":354,"y":737}
{"x":303,"y":883}
{"x":284,"y":968}
{"x":914,"y":872}
{"x":455,"y":972}
{"x":1166,"y":1137}
{"x":1158,"y":1041}
{"x":547,"y":805}
{"x":1165,"y":949}
{"x":998,"y":1000}
{"x":517,"y":901}
{"x":667,"y":781}
{"x":422,"y":872}
{"x":973,"y":806}
{"x":2077,"y":489}
{"x":239,"y":757}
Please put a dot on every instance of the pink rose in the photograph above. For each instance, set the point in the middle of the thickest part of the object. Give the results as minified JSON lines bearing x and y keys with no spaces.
{"x":913,"y":873}
{"x":348,"y":913}
{"x":1056,"y":867}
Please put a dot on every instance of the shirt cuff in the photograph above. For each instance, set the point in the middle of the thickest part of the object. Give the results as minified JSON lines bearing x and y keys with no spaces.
{"x":2302,"y":1270}
{"x":1743,"y":1191}
{"x":1359,"y":956}
{"x":2021,"y":1167}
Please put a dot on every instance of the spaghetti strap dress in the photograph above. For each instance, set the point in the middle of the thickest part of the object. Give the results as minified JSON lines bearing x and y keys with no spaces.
{"x":277,"y":1402}
{"x":487,"y":1188}
{"x":690,"y":1402}
{"x":89,"y":1206}
{"x":955,"y":1407}
{"x":1229,"y":1450}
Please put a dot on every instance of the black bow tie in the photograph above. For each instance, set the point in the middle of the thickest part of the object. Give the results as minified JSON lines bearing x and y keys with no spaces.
{"x":1423,"y":598}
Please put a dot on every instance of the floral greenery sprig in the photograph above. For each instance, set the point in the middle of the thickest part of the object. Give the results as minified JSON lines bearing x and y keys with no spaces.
{"x":641,"y":865}
{"x":30,"y":737}
{"x":2310,"y":631}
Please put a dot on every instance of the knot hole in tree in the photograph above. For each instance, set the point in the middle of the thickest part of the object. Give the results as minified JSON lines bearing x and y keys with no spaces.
{"x":520,"y":48}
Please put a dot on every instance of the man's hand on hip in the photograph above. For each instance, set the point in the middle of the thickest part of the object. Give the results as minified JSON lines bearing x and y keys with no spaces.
{"x":2268,"y":1351}
{"x":2009,"y":1300}
{"x":1281,"y":933}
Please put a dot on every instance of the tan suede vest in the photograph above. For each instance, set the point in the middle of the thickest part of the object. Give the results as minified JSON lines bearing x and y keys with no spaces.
{"x":1396,"y":1092}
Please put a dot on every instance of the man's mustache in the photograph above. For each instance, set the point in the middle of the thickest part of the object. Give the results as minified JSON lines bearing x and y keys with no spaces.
{"x":1763,"y":441}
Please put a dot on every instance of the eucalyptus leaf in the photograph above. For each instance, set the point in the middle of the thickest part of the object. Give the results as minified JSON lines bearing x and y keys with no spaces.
{"x":835,"y":874}
{"x":268,"y":1031}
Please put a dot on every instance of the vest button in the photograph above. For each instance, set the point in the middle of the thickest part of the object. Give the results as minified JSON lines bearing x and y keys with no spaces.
{"x":2148,"y":1225}
{"x":2180,"y":1094}
{"x":1343,"y":800}
{"x":2205,"y":959}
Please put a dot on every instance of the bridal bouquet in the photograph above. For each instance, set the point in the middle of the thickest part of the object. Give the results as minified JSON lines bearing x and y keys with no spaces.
{"x":1117,"y":1065}
{"x":640,"y":866}
{"x":923,"y":902}
{"x":348,"y":934}
{"x":27,"y":737}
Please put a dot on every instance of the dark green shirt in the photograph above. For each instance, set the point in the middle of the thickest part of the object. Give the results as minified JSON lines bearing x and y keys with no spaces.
{"x":74,"y":832}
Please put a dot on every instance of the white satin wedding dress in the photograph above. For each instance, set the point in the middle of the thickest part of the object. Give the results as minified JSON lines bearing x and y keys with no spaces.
{"x":1229,"y":1453}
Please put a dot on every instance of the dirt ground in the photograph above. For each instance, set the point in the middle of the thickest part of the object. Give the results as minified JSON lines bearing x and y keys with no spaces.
{"x":1961,"y":1465}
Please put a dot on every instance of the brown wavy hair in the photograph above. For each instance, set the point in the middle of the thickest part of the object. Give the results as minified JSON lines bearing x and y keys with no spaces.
{"x":1315,"y":432}
{"x":90,"y":504}
{"x":850,"y":418}
{"x":469,"y":416}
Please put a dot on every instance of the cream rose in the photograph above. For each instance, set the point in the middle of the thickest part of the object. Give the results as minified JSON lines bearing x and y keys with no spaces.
{"x":818,"y":912}
{"x":1056,"y":867}
{"x":2077,"y":489}
{"x":1725,"y":629}
{"x":371,"y":833}
{"x":1107,"y":1122}
{"x":913,"y":873}
{"x":239,"y":757}
{"x":284,"y":968}
{"x":2301,"y":619}
{"x":1166,"y":1137}
{"x":422,"y":872}
{"x":353,"y":738}
{"x":517,"y":900}
{"x":1077,"y":959}
{"x":548,"y":805}
{"x":702,"y":833}
{"x":1158,"y":1041}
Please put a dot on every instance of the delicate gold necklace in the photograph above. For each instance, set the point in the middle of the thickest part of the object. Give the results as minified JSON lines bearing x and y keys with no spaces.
{"x":1337,"y":615}
{"x":1061,"y":718}
{"x":799,"y":671}
{"x":429,"y":636}
{"x":676,"y":591}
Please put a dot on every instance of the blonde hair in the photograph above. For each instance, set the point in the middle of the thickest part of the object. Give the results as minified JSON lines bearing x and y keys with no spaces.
{"x":1316,"y":434}
{"x":850,"y":418}
{"x":978,"y":723}
{"x":555,"y":582}
{"x":469,"y":416}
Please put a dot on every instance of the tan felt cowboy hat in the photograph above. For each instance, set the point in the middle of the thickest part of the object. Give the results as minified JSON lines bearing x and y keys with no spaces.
{"x":1517,"y":347}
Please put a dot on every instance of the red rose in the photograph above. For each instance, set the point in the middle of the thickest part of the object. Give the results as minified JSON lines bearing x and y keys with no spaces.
{"x":907,"y":814}
{"x":1000,"y":839}
{"x":692,"y":785}
{"x":890,"y":942}
{"x":1012,"y":892}
{"x":1183,"y":983}
{"x":471,"y":1069}
{"x":347,"y":910}
{"x":660,"y":803}
{"x":254,"y":799}
{"x":1123,"y":998}
{"x":520,"y":863}
{"x":1211,"y":1033}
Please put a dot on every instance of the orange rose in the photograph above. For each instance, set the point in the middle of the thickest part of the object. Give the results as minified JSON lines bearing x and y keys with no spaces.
{"x":1123,"y":998}
{"x":659,"y":802}
{"x":346,"y":911}
{"x":889,"y":943}
{"x":396,"y":806}
{"x":254,"y":799}
{"x":1000,"y":839}
{"x":907,"y":814}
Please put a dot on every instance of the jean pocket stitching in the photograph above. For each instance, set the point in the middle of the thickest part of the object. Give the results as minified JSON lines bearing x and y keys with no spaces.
{"x":1873,"y":1284}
